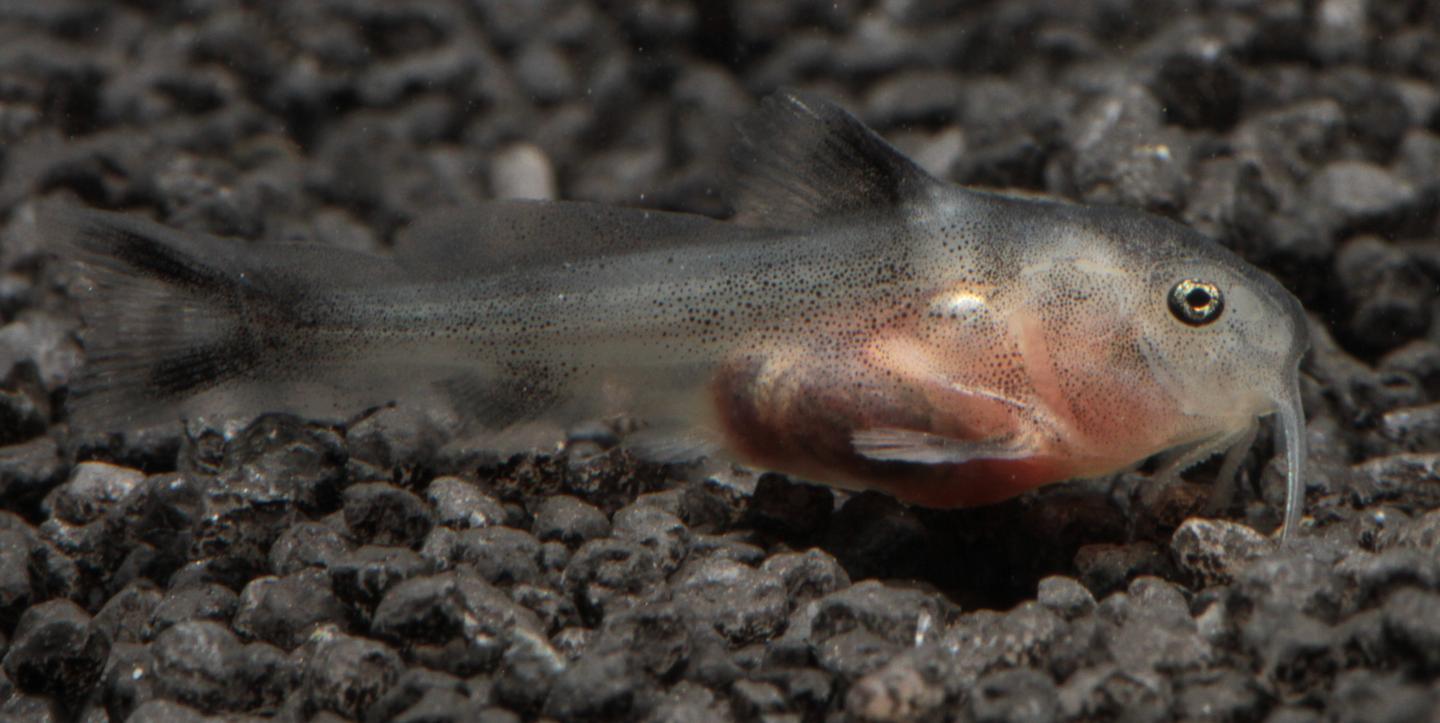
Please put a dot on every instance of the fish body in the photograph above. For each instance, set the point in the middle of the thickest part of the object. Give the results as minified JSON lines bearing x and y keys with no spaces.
{"x":859,"y":323}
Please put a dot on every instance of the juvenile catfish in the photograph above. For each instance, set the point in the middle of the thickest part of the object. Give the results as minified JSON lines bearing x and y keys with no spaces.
{"x":860,"y":324}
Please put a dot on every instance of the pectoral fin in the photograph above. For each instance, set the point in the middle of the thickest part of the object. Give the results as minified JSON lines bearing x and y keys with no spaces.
{"x":903,"y":445}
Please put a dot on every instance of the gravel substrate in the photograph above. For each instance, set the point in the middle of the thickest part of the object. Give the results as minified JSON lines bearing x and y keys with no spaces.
{"x":381,"y":569}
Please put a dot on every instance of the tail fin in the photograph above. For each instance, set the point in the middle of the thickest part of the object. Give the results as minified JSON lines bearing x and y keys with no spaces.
{"x":167,"y":314}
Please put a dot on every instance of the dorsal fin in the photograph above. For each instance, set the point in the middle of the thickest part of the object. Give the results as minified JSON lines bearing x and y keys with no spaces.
{"x":801,"y":159}
{"x":506,"y":235}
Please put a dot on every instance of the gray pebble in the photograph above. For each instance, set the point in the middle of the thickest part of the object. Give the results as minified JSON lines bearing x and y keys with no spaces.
{"x":524,"y":171}
{"x":1105,"y":568}
{"x":1412,"y":619}
{"x":283,"y":611}
{"x":1065,"y":596}
{"x":125,"y":618}
{"x":458,"y":607}
{"x":205,"y":601}
{"x":604,"y":685}
{"x":569,"y":520}
{"x":382,"y":514}
{"x":1214,"y":551}
{"x":1015,"y":695}
{"x":362,"y":577}
{"x":461,"y":505}
{"x":903,"y":616}
{"x":743,"y":604}
{"x":306,"y":544}
{"x":57,"y":650}
{"x":346,"y":674}
{"x":501,"y":555}
{"x":603,"y":571}
{"x":662,"y":533}
{"x":93,"y":488}
{"x":195,"y":664}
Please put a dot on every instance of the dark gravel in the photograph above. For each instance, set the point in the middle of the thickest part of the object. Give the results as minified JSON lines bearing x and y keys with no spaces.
{"x":379,"y":569}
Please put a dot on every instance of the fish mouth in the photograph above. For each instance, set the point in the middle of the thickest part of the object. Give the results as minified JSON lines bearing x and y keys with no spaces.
{"x":1291,"y":415}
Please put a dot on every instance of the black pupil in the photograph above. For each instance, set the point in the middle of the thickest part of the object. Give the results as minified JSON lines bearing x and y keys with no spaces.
{"x":1198,"y":298}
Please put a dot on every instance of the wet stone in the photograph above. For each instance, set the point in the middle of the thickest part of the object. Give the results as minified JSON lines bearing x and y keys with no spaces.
{"x":743,"y":604}
{"x":1373,"y":576}
{"x":602,"y":571}
{"x":382,"y":514}
{"x":1111,"y":166}
{"x":163,"y":712}
{"x":15,"y":589}
{"x":1026,"y":636}
{"x":1105,"y":568}
{"x":855,"y":653}
{"x":1107,"y":692}
{"x":727,"y":547}
{"x":1420,"y":359}
{"x":657,"y":637}
{"x":662,"y":533}
{"x":1300,"y":580}
{"x":461,"y":505}
{"x":346,"y":674}
{"x":205,"y":601}
{"x":306,"y":544}
{"x":1220,"y":695}
{"x":267,"y":675}
{"x":569,"y":520}
{"x":1412,"y":429}
{"x":906,"y":688}
{"x":23,"y":414}
{"x":1389,"y":295}
{"x":93,"y":488}
{"x":29,"y":470}
{"x":599,"y":686}
{"x":289,"y":459}
{"x":1412,"y":621}
{"x":522,"y":170}
{"x":554,"y":609}
{"x":57,"y":650}
{"x":195,"y":665}
{"x":465,"y":620}
{"x":529,"y":667}
{"x":128,"y":680}
{"x":1199,"y":84}
{"x":1151,"y":640}
{"x":125,"y":618}
{"x":1297,"y":652}
{"x":409,"y":687}
{"x":922,"y":96}
{"x":501,"y":555}
{"x":1214,"y":551}
{"x":1014,"y":695}
{"x":284,"y":610}
{"x":1358,"y":196}
{"x":362,"y":577}
{"x":754,"y":699}
{"x":1065,"y":596}
{"x":1372,"y":696}
{"x":397,"y":437}
{"x":1396,"y":475}
{"x":903,"y":616}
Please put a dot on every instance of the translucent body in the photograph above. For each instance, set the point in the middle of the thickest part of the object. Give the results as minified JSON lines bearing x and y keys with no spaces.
{"x":860,"y":324}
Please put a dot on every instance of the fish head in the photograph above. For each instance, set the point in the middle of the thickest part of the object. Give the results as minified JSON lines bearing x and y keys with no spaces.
{"x":1225,"y":340}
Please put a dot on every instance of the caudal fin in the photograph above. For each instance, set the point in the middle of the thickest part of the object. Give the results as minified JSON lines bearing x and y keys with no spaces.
{"x":167,"y":314}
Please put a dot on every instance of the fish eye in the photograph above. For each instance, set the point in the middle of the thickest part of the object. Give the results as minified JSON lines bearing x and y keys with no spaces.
{"x":1196,"y":302}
